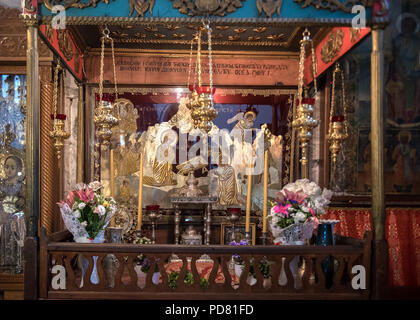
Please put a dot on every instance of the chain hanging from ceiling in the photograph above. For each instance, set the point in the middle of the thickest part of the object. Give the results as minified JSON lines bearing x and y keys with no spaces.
{"x":304,"y":121}
{"x":104,"y":115}
{"x":337,"y":131}
{"x":58,"y":133}
{"x":201,"y":101}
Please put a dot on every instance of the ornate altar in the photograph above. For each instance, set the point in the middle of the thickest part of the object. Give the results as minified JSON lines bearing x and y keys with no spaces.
{"x":202,"y":200}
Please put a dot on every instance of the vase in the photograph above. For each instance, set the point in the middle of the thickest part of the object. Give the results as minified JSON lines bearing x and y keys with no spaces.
{"x":325,"y":237}
{"x":294,"y":267}
{"x":94,"y":277}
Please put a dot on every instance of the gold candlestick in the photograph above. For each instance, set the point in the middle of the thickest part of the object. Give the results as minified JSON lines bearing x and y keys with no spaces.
{"x":139,"y":209}
{"x":112,"y":182}
{"x":265,"y":197}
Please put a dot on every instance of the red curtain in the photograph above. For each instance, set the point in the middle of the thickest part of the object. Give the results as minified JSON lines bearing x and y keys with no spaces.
{"x":402,"y":229}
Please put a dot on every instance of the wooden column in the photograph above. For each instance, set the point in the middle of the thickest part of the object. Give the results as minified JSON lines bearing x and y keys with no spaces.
{"x":380,"y":247}
{"x":49,"y":160}
{"x":31,"y":158}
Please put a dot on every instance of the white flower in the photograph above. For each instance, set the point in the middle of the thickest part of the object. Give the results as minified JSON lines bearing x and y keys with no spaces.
{"x":101,"y":210}
{"x":82,"y":205}
{"x":76,"y":214}
{"x":84,"y":224}
{"x":300,"y":217}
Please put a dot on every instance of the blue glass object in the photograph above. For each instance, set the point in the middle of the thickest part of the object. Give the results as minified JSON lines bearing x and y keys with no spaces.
{"x":325,"y":238}
{"x":325,"y":235}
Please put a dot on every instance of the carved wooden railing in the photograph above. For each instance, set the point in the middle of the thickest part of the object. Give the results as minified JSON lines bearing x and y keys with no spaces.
{"x":221,"y":281}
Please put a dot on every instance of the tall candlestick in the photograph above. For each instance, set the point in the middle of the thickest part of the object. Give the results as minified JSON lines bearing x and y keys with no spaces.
{"x":112,"y":182}
{"x":265,"y":198}
{"x":248,"y":201}
{"x":139,"y":209}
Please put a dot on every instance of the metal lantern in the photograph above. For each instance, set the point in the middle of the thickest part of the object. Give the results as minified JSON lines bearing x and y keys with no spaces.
{"x":58,"y":132}
{"x":337,"y":131}
{"x":304,"y":121}
{"x":104,"y":118}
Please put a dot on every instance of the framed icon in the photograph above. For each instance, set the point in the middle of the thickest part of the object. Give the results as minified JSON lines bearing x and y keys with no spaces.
{"x":226,"y":232}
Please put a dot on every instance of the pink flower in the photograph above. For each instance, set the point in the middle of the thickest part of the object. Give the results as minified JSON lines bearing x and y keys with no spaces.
{"x":312,"y":211}
{"x":282,"y":209}
{"x":70,"y":199}
{"x":85,"y":196}
{"x":295,"y":196}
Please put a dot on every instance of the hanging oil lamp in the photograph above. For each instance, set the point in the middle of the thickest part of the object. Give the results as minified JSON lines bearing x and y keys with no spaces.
{"x":203,"y":112}
{"x":58,"y":133}
{"x":304,"y":121}
{"x":337,"y":131}
{"x":104,"y":117}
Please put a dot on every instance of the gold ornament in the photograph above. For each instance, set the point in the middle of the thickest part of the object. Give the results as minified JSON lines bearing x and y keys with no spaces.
{"x":207,"y":7}
{"x":58,"y":133}
{"x":201,"y":103}
{"x":332,"y":47}
{"x":141,"y":7}
{"x":334,"y":5}
{"x":104,"y":118}
{"x":269,"y":7}
{"x":337,"y":131}
{"x":304,"y":122}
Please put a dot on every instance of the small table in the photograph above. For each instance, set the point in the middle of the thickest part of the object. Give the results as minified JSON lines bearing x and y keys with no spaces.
{"x":207,"y":200}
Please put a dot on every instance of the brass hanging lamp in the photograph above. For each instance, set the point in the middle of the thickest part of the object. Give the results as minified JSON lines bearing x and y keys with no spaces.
{"x":337,"y":131}
{"x":104,"y":117}
{"x":304,"y":121}
{"x":203,"y":112}
{"x":58,"y":133}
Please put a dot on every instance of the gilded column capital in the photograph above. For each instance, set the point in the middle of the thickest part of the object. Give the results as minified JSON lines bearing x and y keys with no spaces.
{"x":30,"y":20}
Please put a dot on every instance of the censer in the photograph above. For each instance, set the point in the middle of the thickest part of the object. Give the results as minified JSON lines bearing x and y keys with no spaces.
{"x":337,"y":131}
{"x":104,"y":118}
{"x":58,"y":133}
{"x":304,"y":122}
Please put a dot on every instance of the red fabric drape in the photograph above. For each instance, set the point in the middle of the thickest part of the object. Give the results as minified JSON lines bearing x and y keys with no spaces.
{"x":402,"y":229}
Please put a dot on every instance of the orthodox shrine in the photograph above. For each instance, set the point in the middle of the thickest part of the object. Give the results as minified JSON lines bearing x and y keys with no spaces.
{"x":217,"y":149}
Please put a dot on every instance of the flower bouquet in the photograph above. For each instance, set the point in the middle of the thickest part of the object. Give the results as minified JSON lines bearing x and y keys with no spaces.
{"x":294,"y":215}
{"x":86,"y":213}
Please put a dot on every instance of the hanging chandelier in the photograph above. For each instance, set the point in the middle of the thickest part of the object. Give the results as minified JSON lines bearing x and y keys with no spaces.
{"x":201,"y":100}
{"x":58,"y":133}
{"x":337,"y":131}
{"x":304,"y":121}
{"x":104,"y":118}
